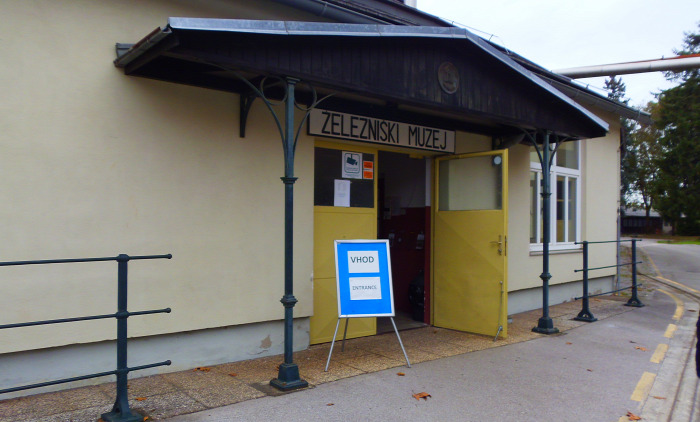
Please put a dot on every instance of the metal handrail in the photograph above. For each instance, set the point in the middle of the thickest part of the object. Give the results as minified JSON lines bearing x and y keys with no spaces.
{"x":608,"y":241}
{"x":120,"y":411}
{"x":586,"y":314}
{"x":609,"y":266}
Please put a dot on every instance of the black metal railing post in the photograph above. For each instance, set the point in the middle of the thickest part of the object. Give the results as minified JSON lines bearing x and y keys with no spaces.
{"x":585,"y":314}
{"x":121,"y":411}
{"x":634,"y":300}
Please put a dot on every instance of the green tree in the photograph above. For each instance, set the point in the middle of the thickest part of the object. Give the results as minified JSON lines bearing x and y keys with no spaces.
{"x":616,"y":91}
{"x":677,"y":185}
{"x":640,"y":164}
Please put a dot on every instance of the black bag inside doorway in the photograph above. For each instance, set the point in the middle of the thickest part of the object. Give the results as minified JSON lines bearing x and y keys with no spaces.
{"x":416,"y":296}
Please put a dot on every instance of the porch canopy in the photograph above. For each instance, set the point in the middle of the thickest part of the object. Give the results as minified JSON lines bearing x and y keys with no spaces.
{"x":435,"y":76}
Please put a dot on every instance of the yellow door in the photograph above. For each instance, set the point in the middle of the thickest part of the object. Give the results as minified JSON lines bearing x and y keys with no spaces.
{"x":469,"y":253}
{"x":358,"y":221}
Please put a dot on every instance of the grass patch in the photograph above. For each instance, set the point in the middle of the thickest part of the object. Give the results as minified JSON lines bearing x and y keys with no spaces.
{"x":681,"y":242}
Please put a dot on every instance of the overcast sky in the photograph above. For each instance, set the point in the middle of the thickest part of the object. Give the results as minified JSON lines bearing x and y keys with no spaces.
{"x":561,"y":34}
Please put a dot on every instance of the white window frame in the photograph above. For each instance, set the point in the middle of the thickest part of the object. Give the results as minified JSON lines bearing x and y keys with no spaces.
{"x":567,"y":173}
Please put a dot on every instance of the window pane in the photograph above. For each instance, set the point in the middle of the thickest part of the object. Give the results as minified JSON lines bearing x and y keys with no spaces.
{"x":567,"y":155}
{"x":541,"y":210}
{"x":560,"y":210}
{"x":572,"y":206}
{"x":473,"y":183}
{"x":533,"y":207}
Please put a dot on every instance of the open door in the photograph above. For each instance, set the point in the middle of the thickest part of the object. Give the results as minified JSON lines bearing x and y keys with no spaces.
{"x":469,"y":253}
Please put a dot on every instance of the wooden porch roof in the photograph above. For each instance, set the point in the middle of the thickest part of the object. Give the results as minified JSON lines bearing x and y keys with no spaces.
{"x":394,"y":70}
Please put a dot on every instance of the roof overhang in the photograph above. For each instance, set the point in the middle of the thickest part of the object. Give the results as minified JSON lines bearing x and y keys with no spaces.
{"x":578,"y":92}
{"x":383,"y":64}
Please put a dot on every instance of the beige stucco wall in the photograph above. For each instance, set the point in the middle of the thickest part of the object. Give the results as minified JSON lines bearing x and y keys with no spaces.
{"x":95,"y":163}
{"x":599,"y":199}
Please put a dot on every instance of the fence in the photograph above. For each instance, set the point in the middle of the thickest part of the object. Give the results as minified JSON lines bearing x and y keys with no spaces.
{"x":120,"y":411}
{"x":586,"y":314}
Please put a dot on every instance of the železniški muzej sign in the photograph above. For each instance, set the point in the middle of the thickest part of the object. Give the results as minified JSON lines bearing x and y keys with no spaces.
{"x":363,"y":275}
{"x":334,"y":124}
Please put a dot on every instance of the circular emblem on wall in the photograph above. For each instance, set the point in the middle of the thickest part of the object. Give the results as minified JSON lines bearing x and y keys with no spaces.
{"x":448,"y":76}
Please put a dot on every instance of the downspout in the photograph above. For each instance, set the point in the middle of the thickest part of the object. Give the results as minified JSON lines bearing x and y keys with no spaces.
{"x":618,"y":258}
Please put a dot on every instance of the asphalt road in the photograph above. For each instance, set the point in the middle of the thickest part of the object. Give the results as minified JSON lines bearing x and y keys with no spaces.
{"x":679,"y":263}
{"x":588,"y":373}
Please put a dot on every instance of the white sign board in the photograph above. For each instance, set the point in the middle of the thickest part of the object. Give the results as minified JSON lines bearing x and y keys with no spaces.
{"x":333,"y":124}
{"x":363,"y":275}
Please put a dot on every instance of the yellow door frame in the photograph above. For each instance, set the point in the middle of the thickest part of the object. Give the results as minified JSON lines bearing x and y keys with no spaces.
{"x":325,"y":296}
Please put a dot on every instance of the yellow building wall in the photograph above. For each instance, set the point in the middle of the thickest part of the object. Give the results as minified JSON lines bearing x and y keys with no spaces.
{"x":599,"y":201}
{"x":95,"y":163}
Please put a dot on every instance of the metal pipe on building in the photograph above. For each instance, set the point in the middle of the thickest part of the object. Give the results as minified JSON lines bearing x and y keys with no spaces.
{"x":656,"y":65}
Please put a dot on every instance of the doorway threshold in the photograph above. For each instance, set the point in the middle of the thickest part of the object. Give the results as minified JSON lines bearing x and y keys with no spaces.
{"x":403,"y":321}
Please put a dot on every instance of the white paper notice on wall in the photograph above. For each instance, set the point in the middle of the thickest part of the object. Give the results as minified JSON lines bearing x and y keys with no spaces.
{"x":341,"y":196}
{"x":365,"y":288}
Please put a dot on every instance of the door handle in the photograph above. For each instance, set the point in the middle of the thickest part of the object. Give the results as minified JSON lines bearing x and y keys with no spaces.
{"x":499,"y":242}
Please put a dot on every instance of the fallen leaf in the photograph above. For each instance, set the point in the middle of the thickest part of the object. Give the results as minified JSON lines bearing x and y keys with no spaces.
{"x":401,"y":374}
{"x":643,"y":349}
{"x":233,"y":374}
{"x":692,"y":310}
{"x":596,"y":300}
{"x":568,"y":342}
{"x":330,"y":404}
{"x":422,"y":395}
{"x":633,"y":342}
{"x":145,"y":418}
{"x":589,"y":370}
{"x":631,"y":416}
{"x":140,"y":398}
{"x":659,"y":397}
{"x":203,"y":369}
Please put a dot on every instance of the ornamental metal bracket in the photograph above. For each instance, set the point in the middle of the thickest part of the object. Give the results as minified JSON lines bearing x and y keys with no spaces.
{"x":246,"y":102}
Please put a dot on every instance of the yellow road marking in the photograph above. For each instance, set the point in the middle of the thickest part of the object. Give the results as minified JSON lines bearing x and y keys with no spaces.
{"x":679,"y":284}
{"x":660,"y":353}
{"x":679,"y":304}
{"x":670,"y":330}
{"x":651,"y":261}
{"x":643,"y":386}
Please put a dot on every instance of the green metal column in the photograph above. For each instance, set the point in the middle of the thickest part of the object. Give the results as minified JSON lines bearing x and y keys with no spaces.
{"x":288,"y":377}
{"x":545,"y":325}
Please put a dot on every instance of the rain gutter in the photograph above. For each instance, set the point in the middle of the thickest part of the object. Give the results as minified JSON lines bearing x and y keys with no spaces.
{"x":331,"y":11}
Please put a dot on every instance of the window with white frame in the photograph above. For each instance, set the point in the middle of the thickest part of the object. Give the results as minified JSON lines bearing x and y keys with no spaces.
{"x":564,"y":201}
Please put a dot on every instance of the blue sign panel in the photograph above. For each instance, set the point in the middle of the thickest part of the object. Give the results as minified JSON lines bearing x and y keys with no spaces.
{"x":363,"y":275}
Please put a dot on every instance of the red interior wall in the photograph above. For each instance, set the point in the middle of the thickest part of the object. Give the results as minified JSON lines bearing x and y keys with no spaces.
{"x":406,"y":259}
